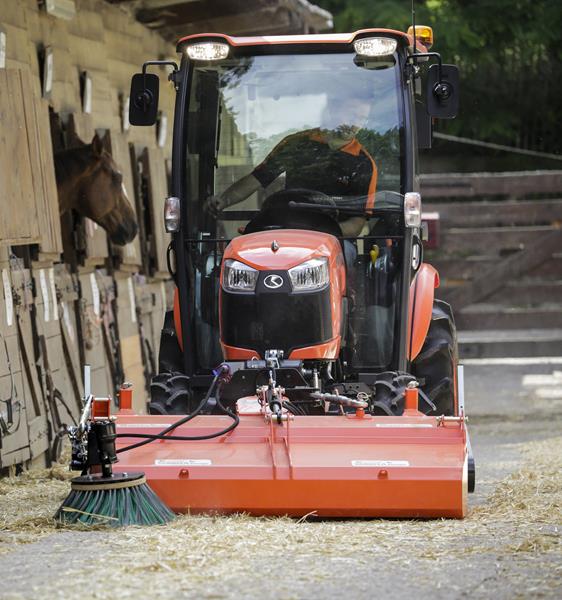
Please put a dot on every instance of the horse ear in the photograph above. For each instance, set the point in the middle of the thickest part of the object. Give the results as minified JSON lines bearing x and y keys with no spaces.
{"x":97,"y":145}
{"x":106,"y":141}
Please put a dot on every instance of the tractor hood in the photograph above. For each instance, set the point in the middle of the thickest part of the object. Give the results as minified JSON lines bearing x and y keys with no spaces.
{"x":282,"y":249}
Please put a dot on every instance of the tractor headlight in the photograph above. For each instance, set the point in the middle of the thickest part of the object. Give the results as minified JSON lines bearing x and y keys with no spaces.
{"x":239,"y":277}
{"x":310,"y":275}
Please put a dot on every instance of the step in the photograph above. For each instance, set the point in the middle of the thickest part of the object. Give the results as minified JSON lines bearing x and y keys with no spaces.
{"x":503,"y":343}
{"x":493,"y":316}
{"x":491,"y":240}
{"x":456,"y":268}
{"x":496,"y":214}
{"x":523,"y":293}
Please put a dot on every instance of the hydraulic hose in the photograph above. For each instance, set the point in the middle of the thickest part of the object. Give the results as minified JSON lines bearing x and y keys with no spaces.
{"x":220,"y":375}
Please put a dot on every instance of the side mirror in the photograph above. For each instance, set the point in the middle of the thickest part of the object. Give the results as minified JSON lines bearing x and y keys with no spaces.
{"x":143,"y":103}
{"x":442,"y":95}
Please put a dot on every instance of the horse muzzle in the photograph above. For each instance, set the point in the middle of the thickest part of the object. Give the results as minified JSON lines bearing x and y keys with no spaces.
{"x":124,"y":234}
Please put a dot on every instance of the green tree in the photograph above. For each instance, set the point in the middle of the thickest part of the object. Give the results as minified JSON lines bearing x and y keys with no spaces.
{"x":509,"y":54}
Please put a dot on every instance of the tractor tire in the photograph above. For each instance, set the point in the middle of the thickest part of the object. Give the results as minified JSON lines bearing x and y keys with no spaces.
{"x":170,"y":394}
{"x":436,"y":364}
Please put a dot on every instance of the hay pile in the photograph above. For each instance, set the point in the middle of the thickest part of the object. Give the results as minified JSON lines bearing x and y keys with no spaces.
{"x":516,"y":531}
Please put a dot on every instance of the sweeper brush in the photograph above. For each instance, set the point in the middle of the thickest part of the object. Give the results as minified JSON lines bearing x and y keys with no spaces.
{"x":99,"y":496}
{"x":121,"y":499}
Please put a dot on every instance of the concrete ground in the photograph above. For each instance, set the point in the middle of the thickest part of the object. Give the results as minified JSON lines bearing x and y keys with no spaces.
{"x":508,"y":546}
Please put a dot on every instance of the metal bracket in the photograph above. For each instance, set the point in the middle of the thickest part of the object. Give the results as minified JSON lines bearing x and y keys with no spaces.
{"x":162,"y":63}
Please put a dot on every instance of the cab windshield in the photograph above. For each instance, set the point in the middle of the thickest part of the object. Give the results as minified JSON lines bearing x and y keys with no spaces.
{"x":320,"y":123}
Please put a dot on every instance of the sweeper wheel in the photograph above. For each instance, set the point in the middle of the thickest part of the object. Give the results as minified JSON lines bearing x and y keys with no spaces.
{"x":435,"y":365}
{"x":170,"y":394}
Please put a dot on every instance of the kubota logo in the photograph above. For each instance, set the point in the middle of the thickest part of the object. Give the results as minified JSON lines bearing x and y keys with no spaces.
{"x":273,"y":282}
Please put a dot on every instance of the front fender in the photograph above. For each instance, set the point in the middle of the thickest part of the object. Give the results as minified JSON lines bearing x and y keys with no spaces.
{"x":422,"y":293}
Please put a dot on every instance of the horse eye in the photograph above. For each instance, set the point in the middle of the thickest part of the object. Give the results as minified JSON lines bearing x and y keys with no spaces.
{"x":117,"y":178}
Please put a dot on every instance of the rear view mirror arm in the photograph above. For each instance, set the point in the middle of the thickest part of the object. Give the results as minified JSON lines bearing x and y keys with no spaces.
{"x":162,"y":63}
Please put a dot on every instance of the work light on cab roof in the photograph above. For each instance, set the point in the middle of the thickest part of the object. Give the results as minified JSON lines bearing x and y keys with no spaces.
{"x":375,"y":46}
{"x":208,"y":51}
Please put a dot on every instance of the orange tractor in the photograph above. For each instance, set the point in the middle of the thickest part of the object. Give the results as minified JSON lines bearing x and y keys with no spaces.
{"x":307,"y":366}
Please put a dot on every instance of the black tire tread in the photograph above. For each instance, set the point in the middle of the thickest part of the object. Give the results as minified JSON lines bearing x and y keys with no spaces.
{"x":170,"y":394}
{"x":437,"y":361}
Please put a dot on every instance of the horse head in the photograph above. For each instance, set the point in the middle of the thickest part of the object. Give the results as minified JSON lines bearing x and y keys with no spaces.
{"x":90,"y":182}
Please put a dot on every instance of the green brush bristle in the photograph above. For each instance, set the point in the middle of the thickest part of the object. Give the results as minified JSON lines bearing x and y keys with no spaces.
{"x":135,"y":505}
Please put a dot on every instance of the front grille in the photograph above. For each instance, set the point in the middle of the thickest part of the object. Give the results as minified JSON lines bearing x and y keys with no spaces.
{"x":275,"y":319}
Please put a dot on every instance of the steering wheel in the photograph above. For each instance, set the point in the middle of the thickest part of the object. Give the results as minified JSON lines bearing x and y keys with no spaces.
{"x":277,"y":212}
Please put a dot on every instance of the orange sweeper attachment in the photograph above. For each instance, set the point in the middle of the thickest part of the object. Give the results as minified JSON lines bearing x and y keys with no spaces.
{"x":306,"y":367}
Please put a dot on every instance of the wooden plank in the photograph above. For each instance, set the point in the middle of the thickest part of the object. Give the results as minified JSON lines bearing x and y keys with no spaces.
{"x":509,"y":269}
{"x":91,"y":335}
{"x":489,"y":316}
{"x":18,"y":217}
{"x":151,"y":300}
{"x":93,"y":308}
{"x":517,"y":184}
{"x":529,"y":293}
{"x":131,"y":354}
{"x":499,"y":343}
{"x":461,"y":269}
{"x":490,"y":240}
{"x":35,"y":408}
{"x":43,"y":170}
{"x":66,"y":285}
{"x":496,"y":214}
{"x":13,"y":13}
{"x":155,"y":172}
{"x":18,"y":47}
{"x":14,"y":447}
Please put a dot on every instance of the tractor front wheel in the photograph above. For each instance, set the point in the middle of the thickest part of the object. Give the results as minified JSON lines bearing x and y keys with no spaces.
{"x":436,"y":364}
{"x":170,"y":394}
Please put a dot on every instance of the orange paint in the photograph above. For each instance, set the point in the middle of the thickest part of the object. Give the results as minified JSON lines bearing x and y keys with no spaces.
{"x":295,"y":247}
{"x":330,"y":465}
{"x":422,"y":292}
{"x":177,"y":318}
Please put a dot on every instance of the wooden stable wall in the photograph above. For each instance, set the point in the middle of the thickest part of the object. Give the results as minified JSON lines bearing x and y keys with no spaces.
{"x":499,"y":257}
{"x":98,"y":303}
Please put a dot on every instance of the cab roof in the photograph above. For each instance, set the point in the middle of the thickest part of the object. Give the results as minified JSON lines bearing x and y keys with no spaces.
{"x":317,"y":38}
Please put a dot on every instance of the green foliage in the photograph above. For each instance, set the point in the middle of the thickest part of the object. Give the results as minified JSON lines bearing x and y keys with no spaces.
{"x":509,"y":54}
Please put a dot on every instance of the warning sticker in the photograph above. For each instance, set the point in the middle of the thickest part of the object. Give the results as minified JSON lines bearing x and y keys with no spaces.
{"x":404,"y":425}
{"x":183,"y":462}
{"x":380,"y":463}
